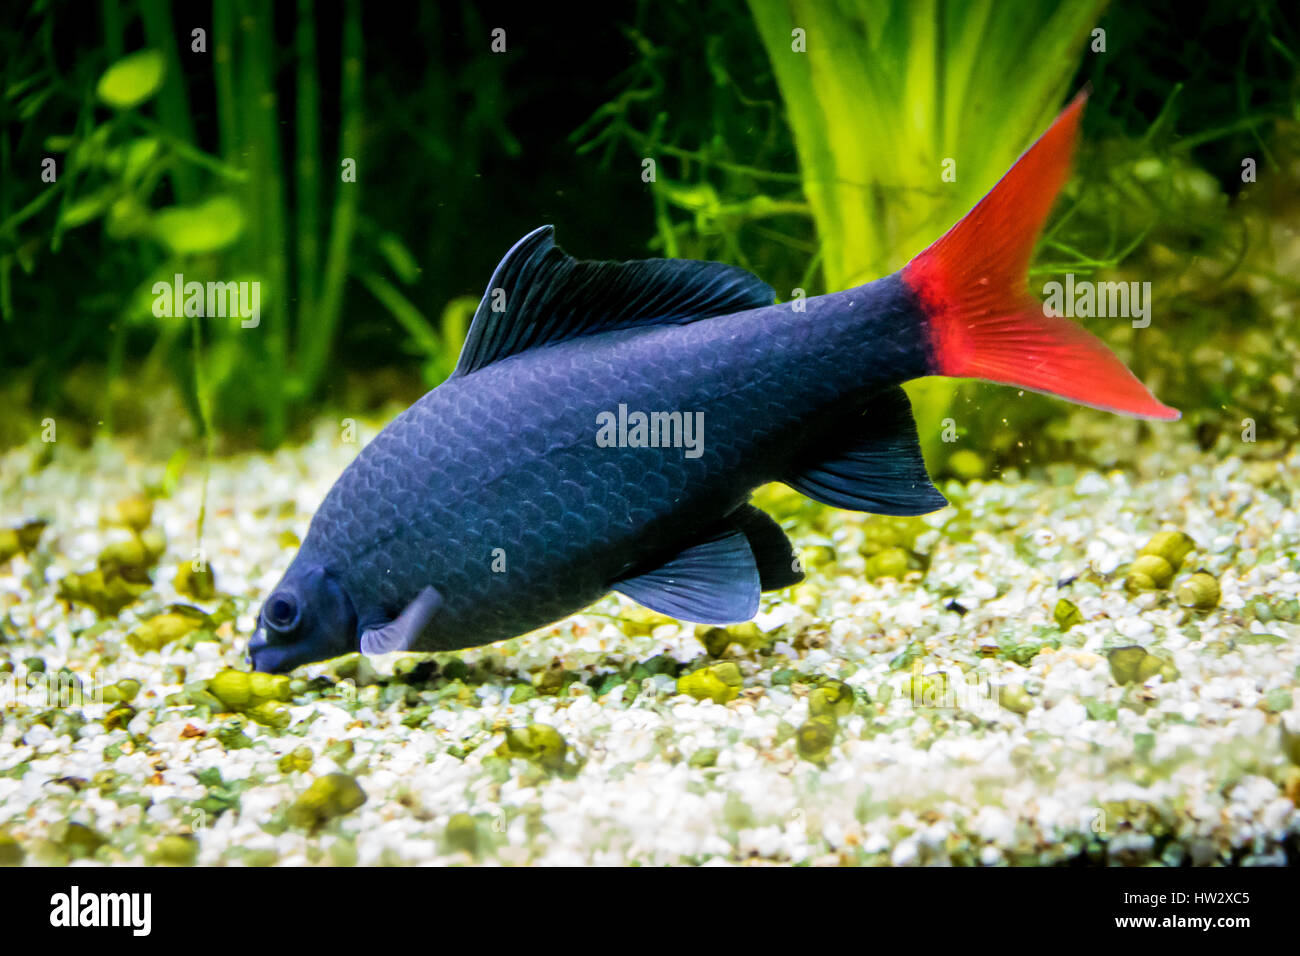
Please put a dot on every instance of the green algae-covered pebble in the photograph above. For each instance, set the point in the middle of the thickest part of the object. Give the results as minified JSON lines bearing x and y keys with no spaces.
{"x":522,"y":692}
{"x":541,"y":743}
{"x":1277,"y":700}
{"x":1124,"y":662}
{"x":1066,"y":614}
{"x":462,"y":834}
{"x":119,"y":717}
{"x":1149,"y":572}
{"x":155,"y":543}
{"x":22,"y":539}
{"x":1172,"y":546}
{"x":8,"y":544}
{"x":299,"y":759}
{"x":77,"y":839}
{"x":817,"y":555}
{"x":124,"y":690}
{"x":548,"y":746}
{"x":176,"y":850}
{"x":415,"y":670}
{"x":106,"y":594}
{"x":716,"y":640}
{"x":1200,"y":591}
{"x":832,"y":698}
{"x":232,"y":736}
{"x":659,"y":664}
{"x":265,"y":687}
{"x":200,"y":585}
{"x":1291,"y":739}
{"x":639,"y":621}
{"x":330,"y":796}
{"x":887,"y":563}
{"x":704,"y":757}
{"x":927,"y":690}
{"x":135,"y":512}
{"x":129,"y":559}
{"x":455,"y":669}
{"x":196,"y":692}
{"x":417,"y":716}
{"x":552,"y":680}
{"x":271,"y":713}
{"x":261,"y":856}
{"x":1132,"y":664}
{"x":11,"y":851}
{"x":814,"y":738}
{"x":1150,"y":666}
{"x":966,"y":465}
{"x":1015,"y":698}
{"x":343,"y":852}
{"x":29,"y":534}
{"x":717,"y":682}
{"x":233,"y":688}
{"x":357,"y":668}
{"x":178,"y":621}
{"x":883,"y":531}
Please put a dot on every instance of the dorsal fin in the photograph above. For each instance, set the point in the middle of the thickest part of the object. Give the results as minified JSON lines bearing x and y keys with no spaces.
{"x":539,"y":294}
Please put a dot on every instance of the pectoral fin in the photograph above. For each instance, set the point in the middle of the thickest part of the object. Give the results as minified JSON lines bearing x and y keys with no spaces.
{"x":401,"y":633}
{"x":715,"y":581}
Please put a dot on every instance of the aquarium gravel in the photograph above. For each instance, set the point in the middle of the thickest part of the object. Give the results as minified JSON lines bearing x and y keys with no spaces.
{"x":984,"y":685}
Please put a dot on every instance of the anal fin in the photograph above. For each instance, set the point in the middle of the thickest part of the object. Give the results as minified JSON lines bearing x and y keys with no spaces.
{"x":877,"y":467}
{"x":773,"y":554}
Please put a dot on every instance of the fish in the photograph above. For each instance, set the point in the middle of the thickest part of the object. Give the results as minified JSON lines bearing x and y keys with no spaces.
{"x":607,"y":422}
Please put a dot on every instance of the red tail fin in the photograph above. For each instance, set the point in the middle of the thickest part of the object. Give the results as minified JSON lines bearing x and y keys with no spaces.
{"x":983,"y":322}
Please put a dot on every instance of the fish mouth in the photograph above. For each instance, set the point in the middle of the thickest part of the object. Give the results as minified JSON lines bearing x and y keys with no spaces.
{"x":266,"y":657}
{"x":256,"y":644}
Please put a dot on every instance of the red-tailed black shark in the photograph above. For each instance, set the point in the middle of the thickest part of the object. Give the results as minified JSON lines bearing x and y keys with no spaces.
{"x":606,"y":425}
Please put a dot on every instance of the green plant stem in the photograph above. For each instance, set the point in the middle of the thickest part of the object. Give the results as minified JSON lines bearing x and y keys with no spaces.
{"x":315,"y":349}
{"x":307,"y":238}
{"x":172,"y":103}
{"x":410,"y":318}
{"x":223,"y":74}
{"x":203,"y":398}
{"x":111,"y":11}
{"x":267,"y":220}
{"x":190,"y":152}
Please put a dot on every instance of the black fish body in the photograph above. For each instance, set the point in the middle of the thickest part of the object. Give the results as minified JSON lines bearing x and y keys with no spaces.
{"x":508,"y":497}
{"x":507,"y":458}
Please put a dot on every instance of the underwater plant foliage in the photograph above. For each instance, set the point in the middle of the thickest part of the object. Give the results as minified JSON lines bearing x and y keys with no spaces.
{"x":816,"y":154}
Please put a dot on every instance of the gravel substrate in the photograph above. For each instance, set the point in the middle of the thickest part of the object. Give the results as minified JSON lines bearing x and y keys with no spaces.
{"x":1029,"y":751}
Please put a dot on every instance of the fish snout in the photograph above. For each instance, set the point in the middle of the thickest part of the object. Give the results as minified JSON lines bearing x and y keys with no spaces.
{"x":256,"y":645}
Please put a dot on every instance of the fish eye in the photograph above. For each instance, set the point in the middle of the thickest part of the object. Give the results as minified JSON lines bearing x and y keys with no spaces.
{"x":282,"y":611}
